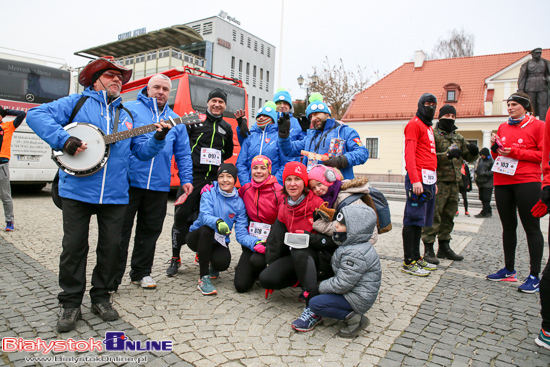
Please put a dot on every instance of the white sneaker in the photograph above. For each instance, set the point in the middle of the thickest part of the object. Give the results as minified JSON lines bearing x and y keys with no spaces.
{"x":146,"y":282}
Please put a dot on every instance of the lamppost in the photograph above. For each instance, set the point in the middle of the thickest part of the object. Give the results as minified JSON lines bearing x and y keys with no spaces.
{"x":314,"y":80}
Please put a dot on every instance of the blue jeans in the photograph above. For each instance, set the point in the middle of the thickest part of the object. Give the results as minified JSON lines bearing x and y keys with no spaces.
{"x":330,"y":305}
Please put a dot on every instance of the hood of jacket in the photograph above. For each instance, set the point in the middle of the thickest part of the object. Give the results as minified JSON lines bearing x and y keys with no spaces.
{"x":360,"y":223}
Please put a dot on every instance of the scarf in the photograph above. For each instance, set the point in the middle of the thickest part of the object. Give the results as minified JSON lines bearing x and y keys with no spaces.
{"x":294,"y":203}
{"x":332,"y":193}
{"x":227,"y":194}
{"x":512,"y":121}
{"x":270,"y":180}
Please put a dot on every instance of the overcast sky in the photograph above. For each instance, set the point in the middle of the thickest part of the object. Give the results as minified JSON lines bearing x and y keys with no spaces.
{"x":378,"y":35}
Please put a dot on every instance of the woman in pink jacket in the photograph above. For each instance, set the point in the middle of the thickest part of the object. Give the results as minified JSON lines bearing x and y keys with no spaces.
{"x":262,"y":198}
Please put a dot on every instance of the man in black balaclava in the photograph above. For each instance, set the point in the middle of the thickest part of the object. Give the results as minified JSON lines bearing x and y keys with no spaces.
{"x":452,"y":149}
{"x":426,"y":108}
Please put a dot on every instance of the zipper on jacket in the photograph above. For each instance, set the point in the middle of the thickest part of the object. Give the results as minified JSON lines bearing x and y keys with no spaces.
{"x":192,"y":149}
{"x":211,"y":144}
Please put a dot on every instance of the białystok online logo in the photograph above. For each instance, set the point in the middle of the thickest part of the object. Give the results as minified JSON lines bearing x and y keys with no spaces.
{"x":114,"y":341}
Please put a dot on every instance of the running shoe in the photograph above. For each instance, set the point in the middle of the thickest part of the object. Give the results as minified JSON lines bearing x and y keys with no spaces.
{"x":10,"y":226}
{"x":530,"y":285}
{"x":543,"y":340}
{"x":175,"y":264}
{"x":307,"y":321}
{"x":147,"y":282}
{"x":206,"y":287}
{"x":414,"y":269}
{"x":503,"y":275}
{"x":196,"y":261}
{"x":426,"y":265}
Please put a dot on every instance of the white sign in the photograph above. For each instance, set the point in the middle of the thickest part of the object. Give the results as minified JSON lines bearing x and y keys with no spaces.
{"x":224,"y":15}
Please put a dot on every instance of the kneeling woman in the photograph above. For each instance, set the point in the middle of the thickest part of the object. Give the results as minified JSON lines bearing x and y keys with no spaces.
{"x":262,"y":198}
{"x":221,"y":207}
{"x":286,"y":266}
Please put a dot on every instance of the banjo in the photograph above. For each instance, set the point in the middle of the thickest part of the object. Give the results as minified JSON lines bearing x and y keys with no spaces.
{"x":91,"y":160}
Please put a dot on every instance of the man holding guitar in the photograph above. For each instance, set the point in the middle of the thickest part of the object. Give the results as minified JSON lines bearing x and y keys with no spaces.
{"x":103,"y":192}
{"x":150,"y":182}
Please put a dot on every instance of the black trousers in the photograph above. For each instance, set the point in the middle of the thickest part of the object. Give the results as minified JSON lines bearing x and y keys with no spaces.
{"x":209,"y":250}
{"x":150,"y":207}
{"x":520,"y":197}
{"x":248,"y":269}
{"x":73,"y":259}
{"x":544,"y":289}
{"x":411,"y":243}
{"x":301,"y":265}
{"x":485,"y":194}
{"x":464,"y":194}
{"x":184,"y":214}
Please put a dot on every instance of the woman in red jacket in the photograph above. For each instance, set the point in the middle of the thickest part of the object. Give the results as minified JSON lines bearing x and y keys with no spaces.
{"x":285,"y":266}
{"x":517,"y":150}
{"x":262,"y":198}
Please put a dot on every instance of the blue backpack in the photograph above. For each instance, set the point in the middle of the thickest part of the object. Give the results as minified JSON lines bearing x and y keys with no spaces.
{"x":375,"y":200}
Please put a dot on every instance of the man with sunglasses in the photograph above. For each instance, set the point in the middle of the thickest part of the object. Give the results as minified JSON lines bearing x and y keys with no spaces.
{"x":104,"y":193}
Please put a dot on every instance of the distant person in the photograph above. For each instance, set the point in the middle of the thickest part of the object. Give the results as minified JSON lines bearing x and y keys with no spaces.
{"x":326,"y":136}
{"x":104,"y":193}
{"x":7,"y":128}
{"x":452,"y":149}
{"x":517,"y":150}
{"x":420,"y":185}
{"x":465,"y":186}
{"x":484,"y":182}
{"x":211,"y":144}
{"x":150,"y":182}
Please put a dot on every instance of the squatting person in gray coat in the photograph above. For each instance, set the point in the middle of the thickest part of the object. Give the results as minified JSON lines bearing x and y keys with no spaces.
{"x":357,"y":272}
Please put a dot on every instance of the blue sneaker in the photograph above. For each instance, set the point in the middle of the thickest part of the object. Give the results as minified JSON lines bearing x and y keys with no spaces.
{"x":530,"y":285}
{"x":307,"y":321}
{"x":9,"y":226}
{"x":503,"y":275}
{"x":543,"y":340}
{"x":206,"y":287}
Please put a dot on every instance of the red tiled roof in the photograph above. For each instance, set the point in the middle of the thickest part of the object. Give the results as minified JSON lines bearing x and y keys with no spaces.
{"x":395,"y":96}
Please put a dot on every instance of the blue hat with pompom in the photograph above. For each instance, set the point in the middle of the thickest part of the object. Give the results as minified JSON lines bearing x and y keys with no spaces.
{"x":269,"y":110}
{"x":317,"y":105}
{"x":282,"y":96}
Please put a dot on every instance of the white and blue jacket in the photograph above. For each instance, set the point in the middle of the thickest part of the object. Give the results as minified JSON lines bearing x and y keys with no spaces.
{"x":110,"y":184}
{"x":319,"y":142}
{"x":155,"y":173}
{"x":264,"y":142}
{"x":231,"y":210}
{"x":296,"y":132}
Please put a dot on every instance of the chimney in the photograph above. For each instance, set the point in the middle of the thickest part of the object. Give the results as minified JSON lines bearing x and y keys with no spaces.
{"x":419,"y":58}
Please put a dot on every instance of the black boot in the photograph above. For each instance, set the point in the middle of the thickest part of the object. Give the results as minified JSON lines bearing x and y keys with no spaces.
{"x":481,"y":214}
{"x":445,"y":251}
{"x":429,"y":254}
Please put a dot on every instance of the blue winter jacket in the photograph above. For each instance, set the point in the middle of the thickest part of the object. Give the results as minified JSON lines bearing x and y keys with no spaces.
{"x":319,"y":142}
{"x":231,"y":210}
{"x":264,"y":142}
{"x":110,"y":184}
{"x":296,"y":132}
{"x":155,"y":173}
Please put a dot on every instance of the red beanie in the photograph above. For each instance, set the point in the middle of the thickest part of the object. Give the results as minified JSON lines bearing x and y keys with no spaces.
{"x":296,"y":169}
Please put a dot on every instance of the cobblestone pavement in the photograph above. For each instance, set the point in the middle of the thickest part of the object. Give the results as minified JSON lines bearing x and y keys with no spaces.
{"x":453,"y":317}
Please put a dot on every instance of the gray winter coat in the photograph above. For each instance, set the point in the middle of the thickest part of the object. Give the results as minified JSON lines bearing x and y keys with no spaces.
{"x":356,"y":265}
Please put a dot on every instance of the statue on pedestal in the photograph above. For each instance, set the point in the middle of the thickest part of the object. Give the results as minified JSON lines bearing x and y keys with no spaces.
{"x":534,"y":79}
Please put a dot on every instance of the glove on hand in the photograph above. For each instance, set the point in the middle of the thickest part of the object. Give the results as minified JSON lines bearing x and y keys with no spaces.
{"x":243,"y":126}
{"x":494,"y":148}
{"x":455,"y":153}
{"x":71,"y":145}
{"x":473,"y":149}
{"x":222,"y":227}
{"x":325,"y":212}
{"x":284,"y":126}
{"x":260,"y":247}
{"x":304,"y":123}
{"x":539,"y":210}
{"x":339,"y":162}
{"x":160,"y":135}
{"x":207,"y":188}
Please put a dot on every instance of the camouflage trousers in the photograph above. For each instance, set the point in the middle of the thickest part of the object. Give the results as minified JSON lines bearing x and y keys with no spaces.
{"x":446,"y":204}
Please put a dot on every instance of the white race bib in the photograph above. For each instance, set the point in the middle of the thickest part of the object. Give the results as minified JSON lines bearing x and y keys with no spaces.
{"x":429,"y":177}
{"x":505,"y":165}
{"x":220,"y":238}
{"x":259,"y":230}
{"x":211,"y":156}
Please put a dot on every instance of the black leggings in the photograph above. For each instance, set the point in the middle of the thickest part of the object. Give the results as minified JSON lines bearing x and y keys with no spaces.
{"x":523,"y":197}
{"x":464,"y":194}
{"x":209,"y":250}
{"x":248,"y":269}
{"x":301,"y":265}
{"x":411,"y":243}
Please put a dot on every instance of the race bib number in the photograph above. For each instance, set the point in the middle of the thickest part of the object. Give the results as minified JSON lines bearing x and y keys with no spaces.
{"x":211,"y":156}
{"x":259,"y":230}
{"x":336,"y":147}
{"x":429,"y":177}
{"x":220,"y":238}
{"x":505,"y":165}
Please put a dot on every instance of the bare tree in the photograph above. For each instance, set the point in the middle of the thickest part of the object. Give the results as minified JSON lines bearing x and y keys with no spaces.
{"x":459,"y":44}
{"x":338,"y":85}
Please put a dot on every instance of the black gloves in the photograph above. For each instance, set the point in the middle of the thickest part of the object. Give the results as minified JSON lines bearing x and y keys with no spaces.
{"x":160,"y":135}
{"x":284,"y":126}
{"x":304,"y":123}
{"x":454,"y":153}
{"x":545,"y":195}
{"x":494,"y":148}
{"x":473,"y":149}
{"x":243,"y":126}
{"x":337,"y":162}
{"x":71,"y":145}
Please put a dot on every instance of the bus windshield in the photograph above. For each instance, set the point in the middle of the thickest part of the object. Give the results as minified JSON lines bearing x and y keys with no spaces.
{"x":200,"y":87}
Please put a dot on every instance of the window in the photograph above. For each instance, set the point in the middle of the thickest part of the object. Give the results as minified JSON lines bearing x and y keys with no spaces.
{"x":177,"y":54}
{"x":261,"y":74}
{"x":241,"y":66}
{"x":247,"y":73}
{"x":129,"y":61}
{"x":262,"y":49}
{"x":255,"y":45}
{"x":164,"y":53}
{"x":267,"y":81}
{"x":207,"y":28}
{"x":254,"y":72}
{"x":452,"y":92}
{"x":197,"y":28}
{"x":260,"y":102}
{"x":235,"y":35}
{"x":249,"y":42}
{"x":242,"y":39}
{"x":253,"y":102}
{"x":451,"y":95}
{"x":233,"y":62}
{"x":119,"y":61}
{"x":372,"y":146}
{"x":140,"y":58}
{"x":151,"y":55}
{"x":269,"y":52}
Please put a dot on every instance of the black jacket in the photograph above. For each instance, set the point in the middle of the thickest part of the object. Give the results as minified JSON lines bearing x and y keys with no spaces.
{"x":484,"y":175}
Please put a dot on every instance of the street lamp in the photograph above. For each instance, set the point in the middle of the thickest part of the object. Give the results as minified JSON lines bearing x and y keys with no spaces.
{"x":314,"y":80}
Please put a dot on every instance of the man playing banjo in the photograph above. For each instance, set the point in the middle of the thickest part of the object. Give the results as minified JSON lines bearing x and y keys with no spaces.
{"x":104,"y":193}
